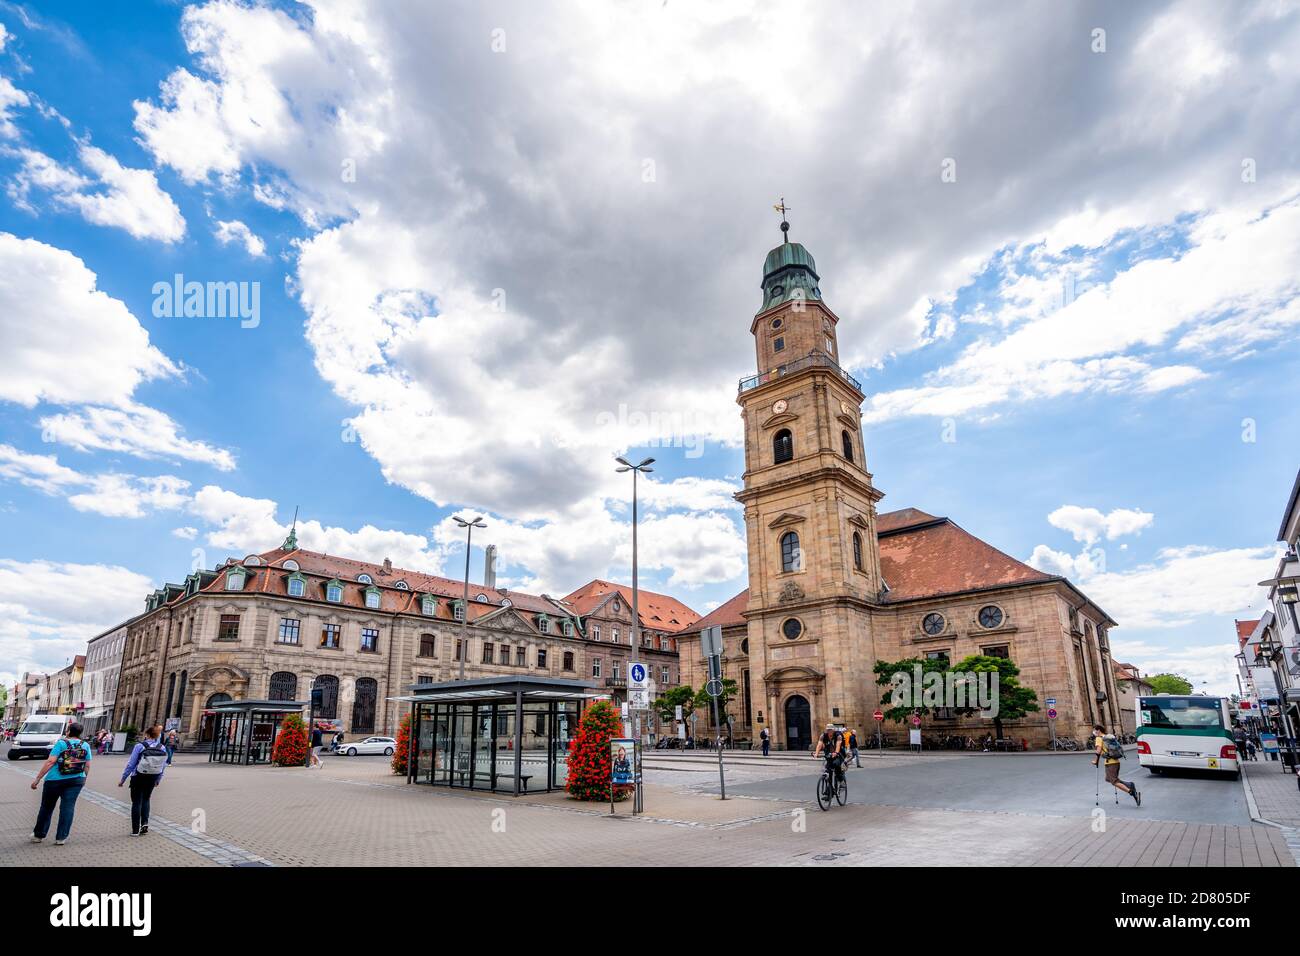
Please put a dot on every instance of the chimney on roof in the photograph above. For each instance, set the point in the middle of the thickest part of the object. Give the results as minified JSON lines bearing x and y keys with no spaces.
{"x":388,"y":566}
{"x":490,"y":566}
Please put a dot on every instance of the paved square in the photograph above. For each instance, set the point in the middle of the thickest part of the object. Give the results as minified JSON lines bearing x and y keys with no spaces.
{"x":905,"y":811}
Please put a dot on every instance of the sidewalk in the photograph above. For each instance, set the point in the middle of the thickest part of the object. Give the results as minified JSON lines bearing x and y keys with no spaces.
{"x":1276,"y":794}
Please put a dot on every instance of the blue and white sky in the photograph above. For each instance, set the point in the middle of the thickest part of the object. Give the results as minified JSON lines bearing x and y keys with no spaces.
{"x":497,"y":244}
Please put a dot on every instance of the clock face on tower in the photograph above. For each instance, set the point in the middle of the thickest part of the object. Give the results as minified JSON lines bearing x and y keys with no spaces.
{"x":780,"y":406}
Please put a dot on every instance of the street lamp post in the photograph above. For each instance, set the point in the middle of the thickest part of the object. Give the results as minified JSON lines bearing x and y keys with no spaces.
{"x":469,"y":527}
{"x":644,"y":467}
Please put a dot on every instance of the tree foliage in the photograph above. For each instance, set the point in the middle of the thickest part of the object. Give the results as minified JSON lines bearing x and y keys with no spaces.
{"x":1169,"y":684}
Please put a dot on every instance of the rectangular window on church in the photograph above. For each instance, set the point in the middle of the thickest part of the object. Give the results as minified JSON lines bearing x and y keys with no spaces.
{"x":997,"y":650}
{"x":778,"y":344}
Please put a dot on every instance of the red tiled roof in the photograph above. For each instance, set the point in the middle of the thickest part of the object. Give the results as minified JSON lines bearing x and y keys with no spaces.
{"x":902,"y":518}
{"x":271,"y":577}
{"x":726,"y":615}
{"x":1245,"y":629}
{"x":940,"y":558}
{"x":658,"y":611}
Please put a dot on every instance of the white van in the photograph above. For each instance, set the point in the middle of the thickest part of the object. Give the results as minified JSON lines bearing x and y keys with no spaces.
{"x":38,"y":735}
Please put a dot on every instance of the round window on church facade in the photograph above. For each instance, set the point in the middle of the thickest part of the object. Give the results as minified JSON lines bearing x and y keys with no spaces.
{"x":933,"y":623}
{"x":792,"y":628}
{"x":991,"y":616}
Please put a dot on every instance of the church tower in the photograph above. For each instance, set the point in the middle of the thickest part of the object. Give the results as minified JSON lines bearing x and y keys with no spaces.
{"x":810,"y":515}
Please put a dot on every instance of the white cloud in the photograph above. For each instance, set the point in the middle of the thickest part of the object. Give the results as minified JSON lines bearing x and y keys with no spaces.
{"x":1178,"y":587}
{"x":65,"y":341}
{"x":110,"y":195}
{"x":10,"y":97}
{"x":1088,"y":524}
{"x":48,"y":609}
{"x":111,"y":495}
{"x":134,"y":429}
{"x":236,"y":231}
{"x":245,"y":525}
{"x":185,"y":534}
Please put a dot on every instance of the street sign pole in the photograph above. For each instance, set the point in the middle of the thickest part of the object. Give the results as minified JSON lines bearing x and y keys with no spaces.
{"x":880,"y":742}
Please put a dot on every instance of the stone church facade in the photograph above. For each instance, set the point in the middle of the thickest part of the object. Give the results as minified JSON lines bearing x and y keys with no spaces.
{"x":836,"y":585}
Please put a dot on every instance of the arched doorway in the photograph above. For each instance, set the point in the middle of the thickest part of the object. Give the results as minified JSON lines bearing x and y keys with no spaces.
{"x":205,"y":731}
{"x":798,"y":724}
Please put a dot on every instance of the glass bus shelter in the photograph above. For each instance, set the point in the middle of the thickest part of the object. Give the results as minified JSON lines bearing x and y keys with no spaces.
{"x":507,"y":735}
{"x":243,"y":731}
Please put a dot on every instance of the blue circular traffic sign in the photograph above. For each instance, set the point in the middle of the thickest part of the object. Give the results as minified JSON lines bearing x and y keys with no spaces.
{"x":638,"y":673}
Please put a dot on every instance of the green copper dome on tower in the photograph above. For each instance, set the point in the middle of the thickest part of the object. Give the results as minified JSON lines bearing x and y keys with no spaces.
{"x":789,"y":273}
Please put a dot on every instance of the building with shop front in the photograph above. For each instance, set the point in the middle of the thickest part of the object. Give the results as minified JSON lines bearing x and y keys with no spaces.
{"x":836,"y":585}
{"x":99,"y":681}
{"x":1129,"y":686}
{"x":269,"y":626}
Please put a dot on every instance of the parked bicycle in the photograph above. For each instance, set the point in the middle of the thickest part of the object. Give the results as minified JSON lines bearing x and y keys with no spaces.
{"x":1063,"y":743}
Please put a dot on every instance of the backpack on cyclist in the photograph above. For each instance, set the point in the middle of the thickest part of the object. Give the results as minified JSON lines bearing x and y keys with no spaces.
{"x":153,"y":759}
{"x":1114,"y":750}
{"x":72,"y":760}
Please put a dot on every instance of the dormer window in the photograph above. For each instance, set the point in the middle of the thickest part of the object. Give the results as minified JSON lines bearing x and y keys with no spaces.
{"x":544,"y":624}
{"x":428,"y":605}
{"x":365,"y":579}
{"x":458,"y":610}
{"x":291,"y":565}
{"x":402,"y":586}
{"x":297,"y":585}
{"x":334,"y":592}
{"x":372,"y":597}
{"x":480,"y":597}
{"x":568,"y":629}
{"x":234,"y":580}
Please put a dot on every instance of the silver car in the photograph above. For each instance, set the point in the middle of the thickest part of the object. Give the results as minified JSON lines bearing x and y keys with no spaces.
{"x":370,"y":745}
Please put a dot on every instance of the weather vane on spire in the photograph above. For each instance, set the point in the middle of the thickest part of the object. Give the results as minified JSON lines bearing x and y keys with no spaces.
{"x":785,"y":225}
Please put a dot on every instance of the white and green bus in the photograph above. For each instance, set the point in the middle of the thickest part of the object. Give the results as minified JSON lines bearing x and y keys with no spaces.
{"x":1192,"y":732}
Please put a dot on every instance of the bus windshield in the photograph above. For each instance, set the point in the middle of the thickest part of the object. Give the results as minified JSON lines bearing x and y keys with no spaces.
{"x":1182,"y":713}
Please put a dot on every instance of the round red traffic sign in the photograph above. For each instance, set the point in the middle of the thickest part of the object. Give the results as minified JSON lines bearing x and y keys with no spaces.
{"x":916,"y":721}
{"x":879,"y":715}
{"x":1051,"y":713}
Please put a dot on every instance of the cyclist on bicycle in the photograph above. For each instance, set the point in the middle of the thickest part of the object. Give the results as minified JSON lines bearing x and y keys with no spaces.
{"x":831,"y":744}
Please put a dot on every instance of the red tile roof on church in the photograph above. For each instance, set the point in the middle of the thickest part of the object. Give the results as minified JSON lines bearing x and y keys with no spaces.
{"x":902,"y":518}
{"x":1245,"y":629}
{"x":729,"y":614}
{"x":658,"y":611}
{"x":920,"y":559}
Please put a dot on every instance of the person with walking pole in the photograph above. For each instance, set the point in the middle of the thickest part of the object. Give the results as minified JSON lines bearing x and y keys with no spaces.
{"x":1111,"y":751}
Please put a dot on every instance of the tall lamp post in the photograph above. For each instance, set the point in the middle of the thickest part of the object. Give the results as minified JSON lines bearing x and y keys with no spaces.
{"x":469,"y":527}
{"x":643,"y":467}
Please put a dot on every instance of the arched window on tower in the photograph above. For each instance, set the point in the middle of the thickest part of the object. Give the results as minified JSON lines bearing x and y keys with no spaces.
{"x":791,"y":557}
{"x":284,"y":686}
{"x":857,"y":551}
{"x":848,"y":446}
{"x":782,"y":446}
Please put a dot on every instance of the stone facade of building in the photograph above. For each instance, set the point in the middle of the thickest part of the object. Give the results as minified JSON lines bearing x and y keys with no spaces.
{"x":271,"y":625}
{"x":835,"y":586}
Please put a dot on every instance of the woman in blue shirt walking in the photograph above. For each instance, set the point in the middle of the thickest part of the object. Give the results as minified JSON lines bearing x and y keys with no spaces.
{"x":65,"y":774}
{"x":145,"y":768}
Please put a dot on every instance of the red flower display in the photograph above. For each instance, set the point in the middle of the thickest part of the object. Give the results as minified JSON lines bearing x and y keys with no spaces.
{"x":403,"y":749}
{"x":589,"y":756}
{"x":291,"y":745}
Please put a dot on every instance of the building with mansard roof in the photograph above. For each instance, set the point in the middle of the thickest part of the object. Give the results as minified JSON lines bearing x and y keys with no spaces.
{"x":835,"y":585}
{"x":272,"y":625}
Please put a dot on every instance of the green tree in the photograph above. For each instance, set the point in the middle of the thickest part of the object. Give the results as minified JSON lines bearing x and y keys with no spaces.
{"x":1169,"y":684}
{"x":1014,"y":702}
{"x":705,"y":703}
{"x":900,"y":713}
{"x":666,"y":704}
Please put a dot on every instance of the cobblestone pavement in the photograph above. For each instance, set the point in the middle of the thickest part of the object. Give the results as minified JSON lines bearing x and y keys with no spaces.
{"x":1276,"y":794}
{"x":353,"y":812}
